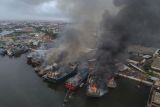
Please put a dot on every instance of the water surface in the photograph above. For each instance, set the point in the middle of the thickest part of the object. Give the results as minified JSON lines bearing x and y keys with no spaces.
{"x":21,"y":87}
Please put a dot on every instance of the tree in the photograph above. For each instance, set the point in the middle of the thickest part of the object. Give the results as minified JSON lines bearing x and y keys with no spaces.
{"x":147,"y":66}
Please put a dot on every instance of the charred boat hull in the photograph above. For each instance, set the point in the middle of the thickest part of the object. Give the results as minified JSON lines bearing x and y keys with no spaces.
{"x":75,"y":82}
{"x":60,"y":79}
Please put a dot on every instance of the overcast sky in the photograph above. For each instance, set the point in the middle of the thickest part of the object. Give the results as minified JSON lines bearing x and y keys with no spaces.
{"x":29,"y":10}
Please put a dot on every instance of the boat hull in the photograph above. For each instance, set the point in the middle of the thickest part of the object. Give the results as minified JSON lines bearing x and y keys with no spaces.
{"x":61,"y":79}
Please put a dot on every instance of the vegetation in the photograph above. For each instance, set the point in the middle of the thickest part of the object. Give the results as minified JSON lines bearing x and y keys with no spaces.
{"x":147,"y":67}
{"x":47,"y":32}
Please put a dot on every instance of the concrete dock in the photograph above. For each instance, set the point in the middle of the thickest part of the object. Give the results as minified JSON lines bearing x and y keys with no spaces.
{"x":154,"y":98}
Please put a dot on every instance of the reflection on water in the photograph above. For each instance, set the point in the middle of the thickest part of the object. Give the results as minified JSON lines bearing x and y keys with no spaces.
{"x":20,"y":86}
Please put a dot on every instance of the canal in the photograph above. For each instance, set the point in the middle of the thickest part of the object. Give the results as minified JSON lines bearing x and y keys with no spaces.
{"x":21,"y":87}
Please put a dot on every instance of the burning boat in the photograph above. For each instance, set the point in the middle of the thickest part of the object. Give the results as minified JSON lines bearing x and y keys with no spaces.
{"x":37,"y":61}
{"x":96,"y":87}
{"x":10,"y":52}
{"x":73,"y":83}
{"x":45,"y":70}
{"x":37,"y":57}
{"x":39,"y":68}
{"x":61,"y":72}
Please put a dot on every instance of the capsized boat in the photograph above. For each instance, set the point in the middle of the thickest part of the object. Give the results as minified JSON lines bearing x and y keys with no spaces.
{"x":61,"y":72}
{"x":96,"y":87}
{"x":73,"y":83}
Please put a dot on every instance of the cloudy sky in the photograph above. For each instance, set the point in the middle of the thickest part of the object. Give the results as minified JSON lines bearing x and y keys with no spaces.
{"x":29,"y":10}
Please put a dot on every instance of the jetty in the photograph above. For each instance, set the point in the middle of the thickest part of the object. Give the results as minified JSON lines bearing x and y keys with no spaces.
{"x":154,"y":97}
{"x":135,"y":79}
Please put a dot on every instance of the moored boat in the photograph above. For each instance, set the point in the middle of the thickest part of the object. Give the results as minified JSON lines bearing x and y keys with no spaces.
{"x":45,"y":70}
{"x":96,"y":87}
{"x":61,"y":73}
{"x":73,"y":83}
{"x":39,"y":68}
{"x":29,"y":56}
{"x":10,"y":52}
{"x":2,"y":51}
{"x":36,"y":57}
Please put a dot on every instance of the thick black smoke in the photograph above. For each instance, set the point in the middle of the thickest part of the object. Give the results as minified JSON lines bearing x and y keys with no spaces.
{"x":137,"y":22}
{"x":79,"y":37}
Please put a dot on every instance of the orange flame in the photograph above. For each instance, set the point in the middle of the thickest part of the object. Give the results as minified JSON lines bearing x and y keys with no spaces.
{"x":93,"y":88}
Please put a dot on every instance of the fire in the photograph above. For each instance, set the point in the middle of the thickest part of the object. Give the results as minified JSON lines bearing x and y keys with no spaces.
{"x":93,"y":88}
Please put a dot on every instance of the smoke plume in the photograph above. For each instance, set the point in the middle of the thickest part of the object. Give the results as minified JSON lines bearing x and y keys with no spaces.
{"x":81,"y":34}
{"x":137,"y":22}
{"x":124,"y":23}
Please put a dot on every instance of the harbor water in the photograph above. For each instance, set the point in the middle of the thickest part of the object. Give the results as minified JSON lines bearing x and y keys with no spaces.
{"x":21,"y":87}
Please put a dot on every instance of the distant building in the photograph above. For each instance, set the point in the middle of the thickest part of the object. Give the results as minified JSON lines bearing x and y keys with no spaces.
{"x":140,"y":50}
{"x":135,"y":59}
{"x":157,"y":53}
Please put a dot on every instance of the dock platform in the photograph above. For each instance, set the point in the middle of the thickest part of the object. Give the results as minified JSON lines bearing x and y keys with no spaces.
{"x":154,"y":98}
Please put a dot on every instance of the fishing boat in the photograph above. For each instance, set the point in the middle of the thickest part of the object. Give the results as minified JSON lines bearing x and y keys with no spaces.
{"x":2,"y":51}
{"x":45,"y":70}
{"x":75,"y":82}
{"x":30,"y":55}
{"x":96,"y":87}
{"x":10,"y":52}
{"x":37,"y":61}
{"x":36,"y":57}
{"x":39,"y":68}
{"x":19,"y":50}
{"x":61,"y":73}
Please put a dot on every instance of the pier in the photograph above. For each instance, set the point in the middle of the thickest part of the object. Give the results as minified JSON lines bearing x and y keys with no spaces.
{"x":154,"y":97}
{"x":136,"y":79}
